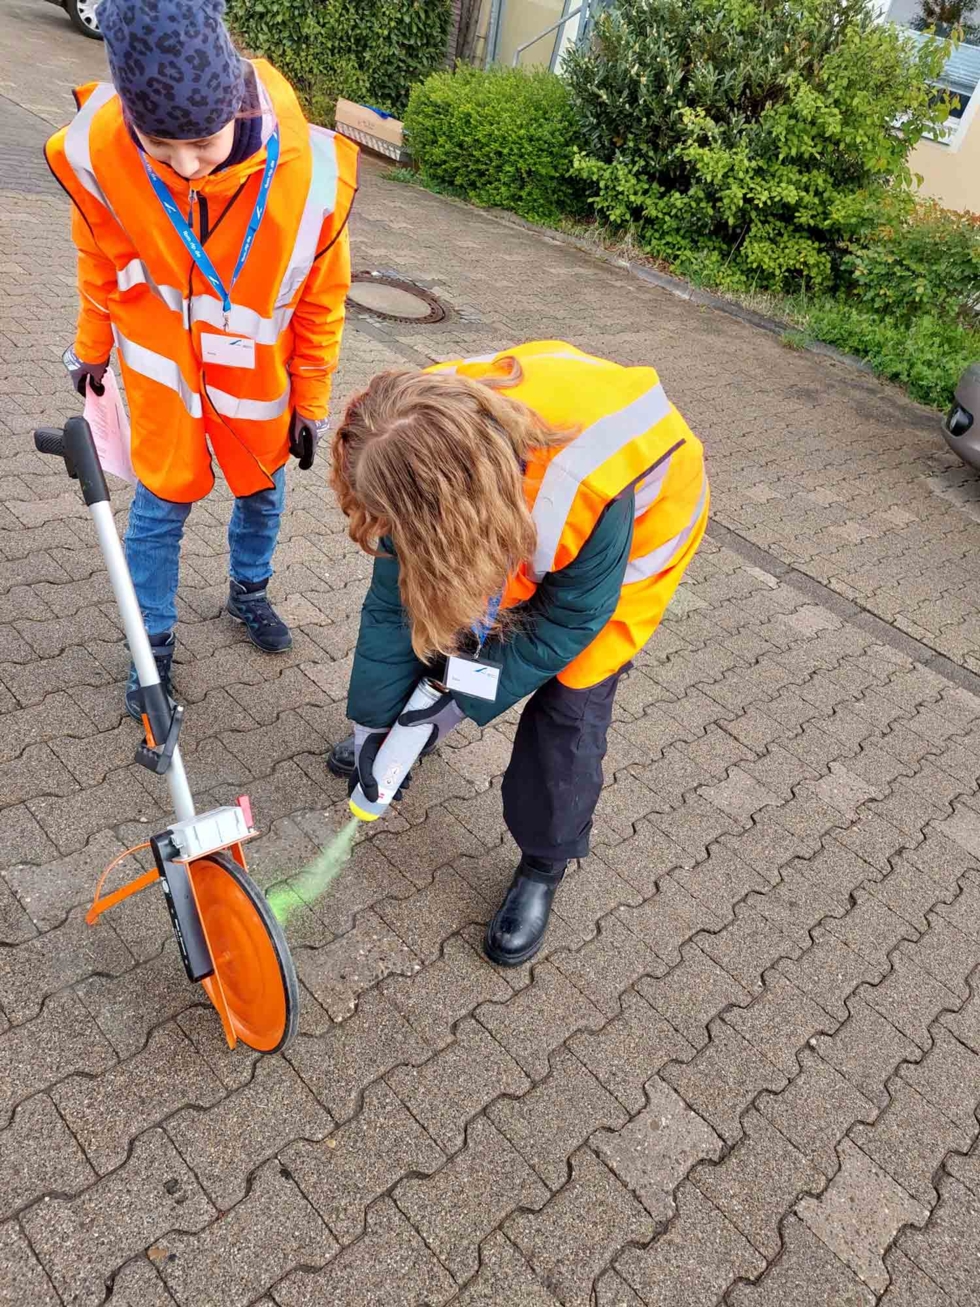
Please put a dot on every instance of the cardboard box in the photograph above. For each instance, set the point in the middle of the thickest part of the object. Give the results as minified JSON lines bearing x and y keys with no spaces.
{"x":376,"y":131}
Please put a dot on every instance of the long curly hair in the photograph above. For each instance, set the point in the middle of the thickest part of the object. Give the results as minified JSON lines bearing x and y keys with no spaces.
{"x":434,"y":460}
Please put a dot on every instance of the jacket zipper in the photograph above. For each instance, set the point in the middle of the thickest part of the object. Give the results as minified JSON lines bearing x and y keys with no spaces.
{"x":203,"y":220}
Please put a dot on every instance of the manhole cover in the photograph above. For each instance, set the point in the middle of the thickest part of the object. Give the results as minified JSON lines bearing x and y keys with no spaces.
{"x":394,"y":300}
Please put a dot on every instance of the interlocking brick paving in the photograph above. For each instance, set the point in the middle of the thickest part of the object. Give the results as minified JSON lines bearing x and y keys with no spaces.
{"x":746,"y":1066}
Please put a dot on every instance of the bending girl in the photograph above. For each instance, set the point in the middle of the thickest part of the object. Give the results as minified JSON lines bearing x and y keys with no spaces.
{"x":536,"y":511}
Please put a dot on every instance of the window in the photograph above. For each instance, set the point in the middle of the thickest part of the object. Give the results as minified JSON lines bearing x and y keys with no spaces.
{"x":961,"y":76}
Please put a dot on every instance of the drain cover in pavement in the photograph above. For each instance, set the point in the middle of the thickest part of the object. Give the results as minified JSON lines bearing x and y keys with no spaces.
{"x":394,"y":300}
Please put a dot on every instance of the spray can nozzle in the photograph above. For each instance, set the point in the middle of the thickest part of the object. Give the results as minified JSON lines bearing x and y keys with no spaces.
{"x":398,"y":753}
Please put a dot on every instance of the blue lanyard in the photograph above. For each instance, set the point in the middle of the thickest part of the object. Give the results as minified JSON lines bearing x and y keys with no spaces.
{"x":194,"y":247}
{"x":482,"y":629}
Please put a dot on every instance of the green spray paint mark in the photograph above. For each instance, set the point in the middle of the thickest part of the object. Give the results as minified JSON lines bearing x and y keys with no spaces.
{"x":307,"y":885}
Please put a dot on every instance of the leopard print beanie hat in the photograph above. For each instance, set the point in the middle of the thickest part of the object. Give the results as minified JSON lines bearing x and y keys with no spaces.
{"x":173,"y":64}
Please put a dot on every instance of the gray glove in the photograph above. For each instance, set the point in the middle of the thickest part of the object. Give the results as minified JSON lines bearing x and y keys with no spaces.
{"x":83,"y":374}
{"x":443,"y":716}
{"x":304,"y":436}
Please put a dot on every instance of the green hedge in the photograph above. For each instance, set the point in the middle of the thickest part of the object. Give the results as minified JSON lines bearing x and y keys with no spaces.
{"x":909,"y":302}
{"x":369,"y":51}
{"x":925,"y":263}
{"x":504,"y":138}
{"x":925,"y":354}
{"x":769,"y":133}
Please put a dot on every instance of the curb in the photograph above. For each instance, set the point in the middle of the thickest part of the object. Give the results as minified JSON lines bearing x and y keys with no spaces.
{"x":676,"y":286}
{"x":679,"y":288}
{"x":846,"y":609}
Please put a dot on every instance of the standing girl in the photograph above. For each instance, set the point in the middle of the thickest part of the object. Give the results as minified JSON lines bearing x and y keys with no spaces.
{"x":211,"y":226}
{"x":534,"y":511}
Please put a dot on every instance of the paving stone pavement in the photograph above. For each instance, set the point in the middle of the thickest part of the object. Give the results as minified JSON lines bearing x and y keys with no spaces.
{"x":746,"y":1067}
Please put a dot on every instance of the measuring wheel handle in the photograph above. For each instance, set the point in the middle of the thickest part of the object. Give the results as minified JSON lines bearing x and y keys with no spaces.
{"x":158,"y":757}
{"x":75,"y":445}
{"x":159,"y":752}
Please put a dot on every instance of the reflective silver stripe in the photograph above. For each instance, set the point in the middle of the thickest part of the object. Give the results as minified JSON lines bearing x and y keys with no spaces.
{"x":269,"y":120}
{"x":641,"y":569}
{"x":569,"y":354}
{"x":158,"y":368}
{"x":647,"y":491}
{"x":77,"y":149}
{"x":242,"y":321}
{"x":477,"y":358}
{"x":502,"y":354}
{"x":136,"y":273}
{"x":321,"y":199}
{"x":249,"y":410}
{"x":567,"y":470}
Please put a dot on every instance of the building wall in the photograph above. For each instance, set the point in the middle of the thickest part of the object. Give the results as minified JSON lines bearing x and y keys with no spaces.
{"x":951,"y":176}
{"x":481,"y":55}
{"x":520,"y":22}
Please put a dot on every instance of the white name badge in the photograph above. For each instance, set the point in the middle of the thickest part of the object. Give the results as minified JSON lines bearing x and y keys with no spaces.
{"x":467,"y":676}
{"x":229,"y":351}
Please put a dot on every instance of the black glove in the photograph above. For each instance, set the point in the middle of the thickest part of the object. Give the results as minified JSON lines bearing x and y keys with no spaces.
{"x":83,"y":374}
{"x":304,"y":436}
{"x":367,"y":742}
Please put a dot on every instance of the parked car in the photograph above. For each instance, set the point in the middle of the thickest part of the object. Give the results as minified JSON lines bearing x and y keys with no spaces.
{"x":961,"y":429}
{"x":82,"y":15}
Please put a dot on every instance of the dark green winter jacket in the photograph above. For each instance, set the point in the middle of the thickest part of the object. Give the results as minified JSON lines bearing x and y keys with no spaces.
{"x":563,"y":616}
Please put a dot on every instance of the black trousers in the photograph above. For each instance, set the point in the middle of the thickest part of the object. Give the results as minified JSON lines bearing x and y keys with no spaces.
{"x":554,"y":779}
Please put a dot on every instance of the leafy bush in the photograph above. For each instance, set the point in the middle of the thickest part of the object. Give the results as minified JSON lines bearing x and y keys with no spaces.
{"x":928,"y":262}
{"x":365,"y":50}
{"x":926,"y":355}
{"x":319,"y":94}
{"x":764,"y":133}
{"x":504,"y":138}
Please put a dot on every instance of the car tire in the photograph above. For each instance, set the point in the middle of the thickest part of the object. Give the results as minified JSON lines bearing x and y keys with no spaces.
{"x":82,"y":16}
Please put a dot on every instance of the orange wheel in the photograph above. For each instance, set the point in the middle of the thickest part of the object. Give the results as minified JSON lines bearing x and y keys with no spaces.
{"x":250,"y":955}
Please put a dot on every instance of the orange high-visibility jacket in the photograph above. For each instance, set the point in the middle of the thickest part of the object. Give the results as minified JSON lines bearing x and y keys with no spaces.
{"x":630,"y":437}
{"x":141,"y":291}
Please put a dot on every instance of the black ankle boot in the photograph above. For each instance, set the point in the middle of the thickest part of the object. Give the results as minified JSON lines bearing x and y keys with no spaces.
{"x":516,"y":932}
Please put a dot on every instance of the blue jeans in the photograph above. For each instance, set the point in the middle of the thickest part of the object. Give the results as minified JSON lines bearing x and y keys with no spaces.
{"x":156,"y":527}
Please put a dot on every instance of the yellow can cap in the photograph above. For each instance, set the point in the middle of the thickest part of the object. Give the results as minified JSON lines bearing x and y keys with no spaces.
{"x":361,"y":814}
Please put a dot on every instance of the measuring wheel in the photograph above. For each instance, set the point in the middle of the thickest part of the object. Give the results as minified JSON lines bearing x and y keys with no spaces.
{"x":254,"y":986}
{"x":228,"y":938}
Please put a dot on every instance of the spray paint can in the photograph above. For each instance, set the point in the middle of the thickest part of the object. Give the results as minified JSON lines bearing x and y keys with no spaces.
{"x":401,"y":747}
